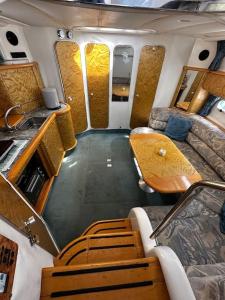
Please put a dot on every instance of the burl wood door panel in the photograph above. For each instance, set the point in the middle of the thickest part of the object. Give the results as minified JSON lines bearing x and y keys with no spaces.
{"x":15,"y":209}
{"x":68,"y":54}
{"x":52,"y":147}
{"x":97,"y":64}
{"x":149,"y":70}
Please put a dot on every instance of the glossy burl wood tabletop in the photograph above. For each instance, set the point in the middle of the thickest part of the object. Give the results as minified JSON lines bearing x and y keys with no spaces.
{"x":172,"y":173}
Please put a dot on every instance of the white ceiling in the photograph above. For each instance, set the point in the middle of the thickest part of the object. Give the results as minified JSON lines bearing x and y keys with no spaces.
{"x":42,"y":13}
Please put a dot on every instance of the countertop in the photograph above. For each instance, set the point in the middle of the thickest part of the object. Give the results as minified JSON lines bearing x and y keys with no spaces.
{"x":23,"y":135}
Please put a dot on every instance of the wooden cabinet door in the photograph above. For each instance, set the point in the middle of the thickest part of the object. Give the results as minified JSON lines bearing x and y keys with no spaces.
{"x":149,"y":70}
{"x":52,"y":147}
{"x":69,"y":59}
{"x":97,"y":65}
{"x":16,"y":210}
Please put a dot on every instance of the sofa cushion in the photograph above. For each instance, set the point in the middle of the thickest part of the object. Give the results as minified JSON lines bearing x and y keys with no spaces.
{"x":198,"y":162}
{"x":177,"y":127}
{"x":214,"y":160}
{"x":156,"y":124}
{"x":207,"y":281}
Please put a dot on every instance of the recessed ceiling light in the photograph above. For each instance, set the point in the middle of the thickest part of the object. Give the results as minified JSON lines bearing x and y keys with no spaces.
{"x":184,"y":21}
{"x":115,"y":30}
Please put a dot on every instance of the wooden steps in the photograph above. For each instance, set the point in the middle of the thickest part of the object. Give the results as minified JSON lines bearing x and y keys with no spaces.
{"x":108,"y":226}
{"x":132,"y":279}
{"x":98,"y":248}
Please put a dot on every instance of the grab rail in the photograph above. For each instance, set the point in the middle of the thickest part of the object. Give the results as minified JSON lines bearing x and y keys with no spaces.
{"x":183,"y":201}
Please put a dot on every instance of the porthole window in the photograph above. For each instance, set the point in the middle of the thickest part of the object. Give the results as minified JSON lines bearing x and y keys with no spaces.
{"x":221,"y":106}
{"x":203,"y":55}
{"x":12,"y":38}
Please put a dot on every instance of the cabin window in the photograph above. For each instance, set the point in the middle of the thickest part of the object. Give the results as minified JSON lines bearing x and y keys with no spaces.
{"x":221,"y":106}
{"x":217,"y":113}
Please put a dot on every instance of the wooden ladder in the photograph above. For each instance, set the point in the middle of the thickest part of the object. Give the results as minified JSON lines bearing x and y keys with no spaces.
{"x":106,"y":262}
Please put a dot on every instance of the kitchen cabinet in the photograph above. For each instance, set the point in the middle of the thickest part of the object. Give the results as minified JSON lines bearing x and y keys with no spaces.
{"x":51,"y":147}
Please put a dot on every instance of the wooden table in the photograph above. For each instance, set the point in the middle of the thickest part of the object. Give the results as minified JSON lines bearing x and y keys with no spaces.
{"x":122,"y":90}
{"x":172,"y":173}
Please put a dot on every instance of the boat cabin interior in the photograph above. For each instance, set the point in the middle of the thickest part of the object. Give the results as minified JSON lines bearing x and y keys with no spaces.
{"x":112,"y":149}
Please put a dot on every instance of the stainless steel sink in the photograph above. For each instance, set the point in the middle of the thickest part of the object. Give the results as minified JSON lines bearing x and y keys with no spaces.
{"x":32,"y":123}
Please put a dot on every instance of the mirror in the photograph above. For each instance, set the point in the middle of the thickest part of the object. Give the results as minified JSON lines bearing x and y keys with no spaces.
{"x":122,"y":68}
{"x":188,"y":85}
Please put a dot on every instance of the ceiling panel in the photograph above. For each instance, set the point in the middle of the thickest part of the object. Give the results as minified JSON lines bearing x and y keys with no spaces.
{"x":25,"y":14}
{"x":68,"y":16}
{"x":172,"y":23}
{"x":127,"y":20}
{"x":201,"y":29}
{"x":41,"y":13}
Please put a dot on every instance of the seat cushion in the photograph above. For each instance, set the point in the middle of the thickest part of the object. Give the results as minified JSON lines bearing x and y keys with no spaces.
{"x":207,"y":281}
{"x":194,"y":234}
{"x":198,"y":162}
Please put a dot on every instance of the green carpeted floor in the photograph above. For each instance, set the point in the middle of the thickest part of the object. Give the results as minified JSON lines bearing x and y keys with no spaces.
{"x":97,"y":181}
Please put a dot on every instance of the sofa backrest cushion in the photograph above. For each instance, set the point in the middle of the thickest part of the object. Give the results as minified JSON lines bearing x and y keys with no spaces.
{"x":209,"y":134}
{"x":214,"y":160}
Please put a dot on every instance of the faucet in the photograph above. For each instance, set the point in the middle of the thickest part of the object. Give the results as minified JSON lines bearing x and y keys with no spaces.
{"x":7,"y":126}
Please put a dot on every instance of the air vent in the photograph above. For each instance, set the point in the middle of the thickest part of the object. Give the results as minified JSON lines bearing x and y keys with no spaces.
{"x":18,"y":54}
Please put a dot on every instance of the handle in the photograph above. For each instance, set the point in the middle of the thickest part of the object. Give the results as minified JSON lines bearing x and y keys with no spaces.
{"x":137,"y":95}
{"x":33,"y":238}
{"x":92,"y":94}
{"x":69,"y":98}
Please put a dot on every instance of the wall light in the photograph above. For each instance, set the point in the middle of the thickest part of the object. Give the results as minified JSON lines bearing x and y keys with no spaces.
{"x":115,"y":30}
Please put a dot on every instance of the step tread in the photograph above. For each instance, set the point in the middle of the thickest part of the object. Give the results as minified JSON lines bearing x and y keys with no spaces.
{"x":101,"y":248}
{"x":109,"y":226}
{"x":131,"y":279}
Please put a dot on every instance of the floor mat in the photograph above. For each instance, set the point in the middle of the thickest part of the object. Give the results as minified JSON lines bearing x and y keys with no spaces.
{"x":97,"y":181}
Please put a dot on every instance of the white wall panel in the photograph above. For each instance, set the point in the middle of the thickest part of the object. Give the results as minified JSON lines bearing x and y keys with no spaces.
{"x":30,"y":261}
{"x":41,"y":41}
{"x":200,"y":45}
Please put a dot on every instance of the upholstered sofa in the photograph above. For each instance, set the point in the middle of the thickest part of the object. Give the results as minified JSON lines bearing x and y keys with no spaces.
{"x":195,"y":234}
{"x":204,"y":146}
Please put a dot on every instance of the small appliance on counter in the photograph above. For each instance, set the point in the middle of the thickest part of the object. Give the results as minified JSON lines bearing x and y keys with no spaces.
{"x":51,"y":98}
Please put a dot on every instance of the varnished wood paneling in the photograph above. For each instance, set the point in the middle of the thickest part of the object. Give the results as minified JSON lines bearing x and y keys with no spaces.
{"x":69,"y":59}
{"x":52,"y":147}
{"x":20,"y":84}
{"x":215,"y":84}
{"x":171,"y":173}
{"x":149,"y":70}
{"x":97,"y":64}
{"x":66,"y":130}
{"x":17,"y":211}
